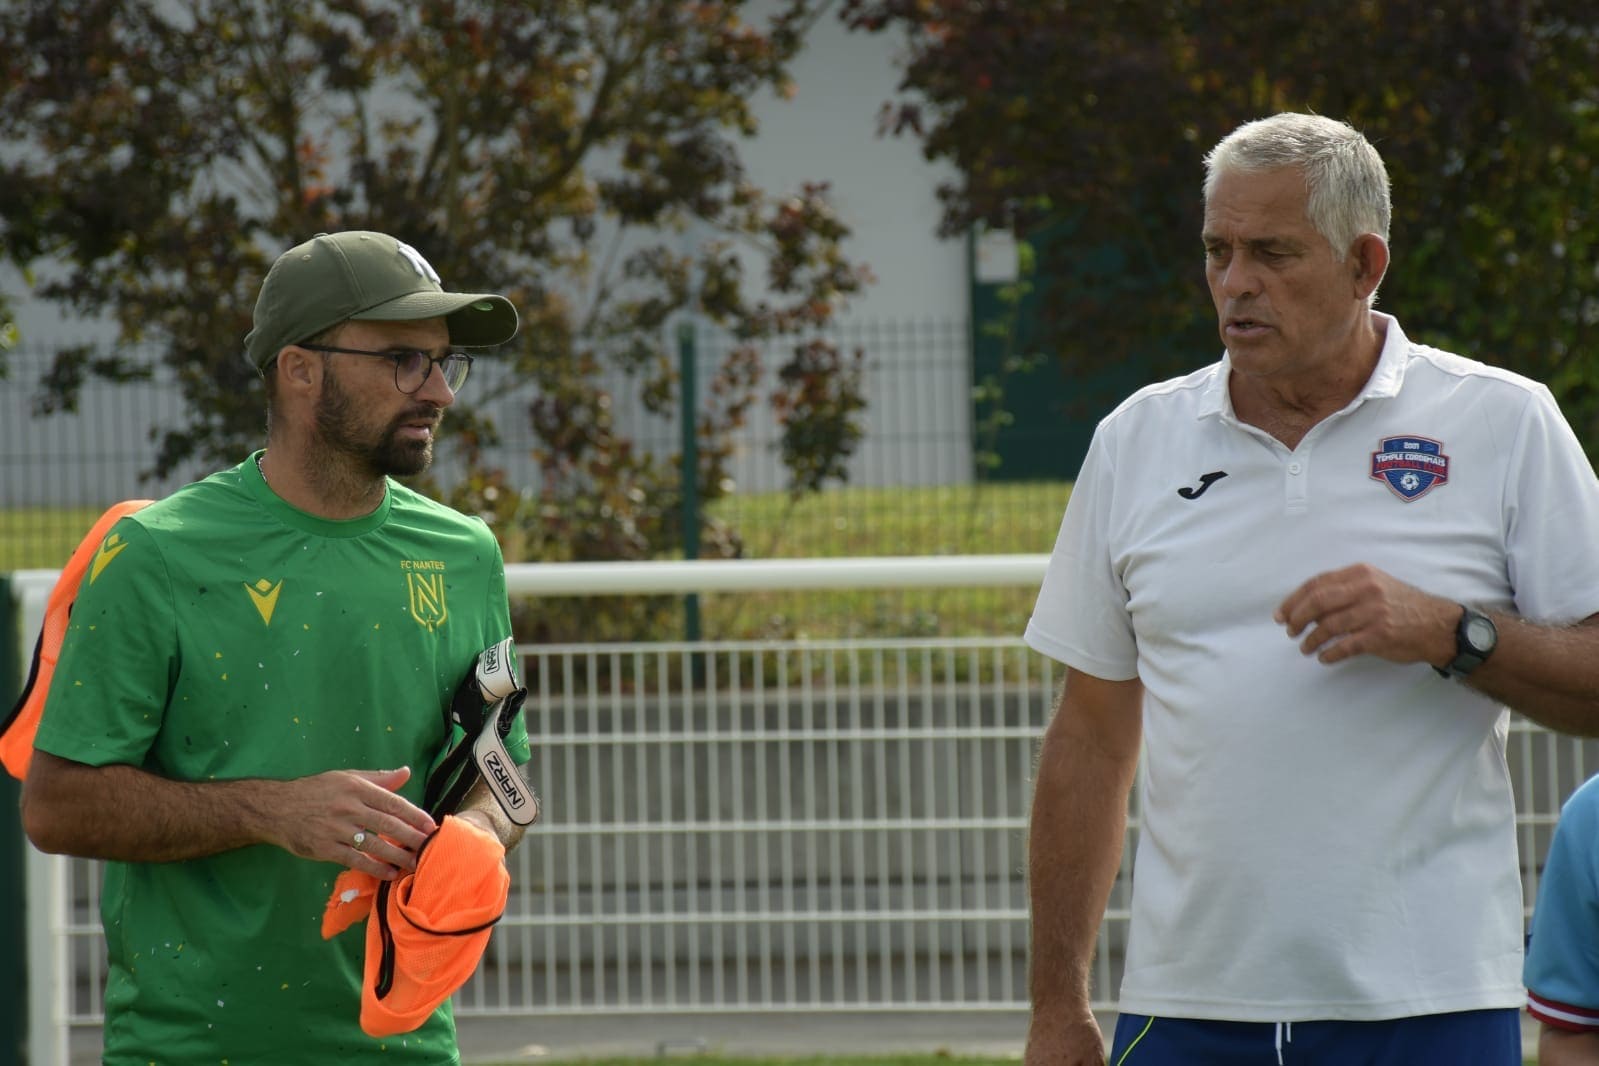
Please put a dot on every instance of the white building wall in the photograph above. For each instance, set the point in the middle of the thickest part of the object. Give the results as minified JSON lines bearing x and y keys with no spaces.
{"x":911,"y":322}
{"x":919,"y":418}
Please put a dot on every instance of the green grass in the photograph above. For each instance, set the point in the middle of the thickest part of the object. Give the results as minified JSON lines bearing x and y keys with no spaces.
{"x":842,"y":1060}
{"x":921,"y":520}
{"x":847,"y":521}
{"x":844,"y":521}
{"x":709,"y":1059}
{"x":918,"y":520}
{"x":39,"y":538}
{"x":805,"y":1060}
{"x":934,"y":520}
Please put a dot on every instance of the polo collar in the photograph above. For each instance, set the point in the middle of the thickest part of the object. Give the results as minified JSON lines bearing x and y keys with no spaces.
{"x":1385,"y":381}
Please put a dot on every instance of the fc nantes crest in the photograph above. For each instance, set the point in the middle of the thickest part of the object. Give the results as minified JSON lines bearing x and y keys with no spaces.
{"x":424,"y":584}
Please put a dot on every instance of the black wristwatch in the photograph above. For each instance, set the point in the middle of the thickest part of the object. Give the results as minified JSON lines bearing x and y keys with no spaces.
{"x":1476,"y":636}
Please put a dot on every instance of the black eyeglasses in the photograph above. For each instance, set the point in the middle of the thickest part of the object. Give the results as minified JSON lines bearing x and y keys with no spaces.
{"x":412,"y":367}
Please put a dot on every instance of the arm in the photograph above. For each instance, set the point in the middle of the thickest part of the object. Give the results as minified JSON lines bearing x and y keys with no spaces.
{"x":124,"y":813}
{"x":1557,"y":1047}
{"x":1548,"y":673}
{"x":1085,"y":771}
{"x":482,"y":809}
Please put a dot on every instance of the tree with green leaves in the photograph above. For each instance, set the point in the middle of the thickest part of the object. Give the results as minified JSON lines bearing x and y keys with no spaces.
{"x":163,"y":153}
{"x":1082,"y":126}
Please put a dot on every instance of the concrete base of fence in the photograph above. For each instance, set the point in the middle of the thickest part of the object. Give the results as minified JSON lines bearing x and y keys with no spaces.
{"x":985,"y":1034}
{"x":686,"y":1036}
{"x":989,"y":1034}
{"x":763,"y":1035}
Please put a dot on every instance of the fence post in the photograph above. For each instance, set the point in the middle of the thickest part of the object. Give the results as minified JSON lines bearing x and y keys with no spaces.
{"x":13,"y":861}
{"x":690,"y":476}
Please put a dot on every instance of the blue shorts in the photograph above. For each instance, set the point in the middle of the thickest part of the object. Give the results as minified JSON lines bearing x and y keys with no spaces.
{"x":1467,"y":1038}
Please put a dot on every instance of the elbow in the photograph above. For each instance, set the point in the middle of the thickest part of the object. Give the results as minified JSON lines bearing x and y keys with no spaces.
{"x":36,"y":825}
{"x":41,"y":823}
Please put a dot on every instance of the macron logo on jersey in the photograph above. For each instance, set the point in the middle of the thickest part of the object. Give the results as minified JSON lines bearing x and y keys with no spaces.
{"x":264,"y":594}
{"x":1410,"y":466}
{"x":110,"y":548}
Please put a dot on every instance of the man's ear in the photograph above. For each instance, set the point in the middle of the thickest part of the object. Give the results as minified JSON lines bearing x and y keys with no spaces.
{"x":298,"y":370}
{"x":1368,"y":262}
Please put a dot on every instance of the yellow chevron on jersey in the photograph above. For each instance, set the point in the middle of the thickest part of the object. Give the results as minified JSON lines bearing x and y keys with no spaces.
{"x":110,"y":548}
{"x":264,"y":594}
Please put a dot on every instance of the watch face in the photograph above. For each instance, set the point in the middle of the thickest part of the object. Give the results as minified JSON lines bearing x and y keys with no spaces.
{"x":1480,"y":633}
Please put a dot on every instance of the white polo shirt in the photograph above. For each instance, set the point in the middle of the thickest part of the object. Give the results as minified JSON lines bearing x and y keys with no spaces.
{"x":1319,"y":842}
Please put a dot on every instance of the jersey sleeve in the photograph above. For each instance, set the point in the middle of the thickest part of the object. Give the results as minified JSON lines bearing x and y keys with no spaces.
{"x":1562,"y":966}
{"x":108,"y":696}
{"x":1081,"y":617}
{"x":499,"y":612}
{"x":1552,"y":516}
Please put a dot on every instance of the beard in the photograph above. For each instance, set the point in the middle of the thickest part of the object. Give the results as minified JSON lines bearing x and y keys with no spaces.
{"x":380,"y":452}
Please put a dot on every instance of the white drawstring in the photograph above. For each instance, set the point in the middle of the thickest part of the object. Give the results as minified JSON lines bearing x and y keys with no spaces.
{"x":1282,"y":1027}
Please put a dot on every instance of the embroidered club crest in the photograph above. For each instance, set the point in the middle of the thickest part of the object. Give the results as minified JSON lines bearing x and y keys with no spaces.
{"x":426,"y":595}
{"x":1410,"y":466}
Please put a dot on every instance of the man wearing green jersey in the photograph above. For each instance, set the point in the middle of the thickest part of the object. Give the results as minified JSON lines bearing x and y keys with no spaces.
{"x":252,"y":688}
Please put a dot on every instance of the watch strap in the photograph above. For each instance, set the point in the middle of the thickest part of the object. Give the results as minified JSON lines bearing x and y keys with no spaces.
{"x":1468,"y":656}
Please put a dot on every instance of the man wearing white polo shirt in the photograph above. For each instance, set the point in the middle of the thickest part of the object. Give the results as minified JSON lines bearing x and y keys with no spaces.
{"x":1306,"y":582}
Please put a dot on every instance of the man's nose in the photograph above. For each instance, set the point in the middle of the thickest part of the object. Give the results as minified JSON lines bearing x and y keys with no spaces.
{"x":435,"y":390}
{"x":1239,"y":277}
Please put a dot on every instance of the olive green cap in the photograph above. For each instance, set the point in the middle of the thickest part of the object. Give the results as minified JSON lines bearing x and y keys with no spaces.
{"x":369,"y":277}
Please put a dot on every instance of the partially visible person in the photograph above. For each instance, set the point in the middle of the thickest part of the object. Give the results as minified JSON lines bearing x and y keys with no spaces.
{"x":256,"y":674}
{"x":1305,"y":583}
{"x":1562,"y":970}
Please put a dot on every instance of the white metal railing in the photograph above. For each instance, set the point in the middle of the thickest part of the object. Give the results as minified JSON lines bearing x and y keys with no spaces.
{"x":824,"y":825}
{"x":810,"y":826}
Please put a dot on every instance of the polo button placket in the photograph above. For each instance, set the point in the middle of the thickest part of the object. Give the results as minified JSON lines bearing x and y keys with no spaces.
{"x":1296,"y":496}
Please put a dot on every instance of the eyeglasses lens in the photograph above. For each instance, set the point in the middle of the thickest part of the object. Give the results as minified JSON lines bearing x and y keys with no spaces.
{"x":411,"y":370}
{"x":454,"y":368}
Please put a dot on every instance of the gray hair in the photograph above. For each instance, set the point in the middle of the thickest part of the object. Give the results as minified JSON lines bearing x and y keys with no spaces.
{"x":1346,"y":182}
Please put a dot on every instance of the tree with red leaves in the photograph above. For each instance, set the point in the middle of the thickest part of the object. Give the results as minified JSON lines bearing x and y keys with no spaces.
{"x":1082,"y":127}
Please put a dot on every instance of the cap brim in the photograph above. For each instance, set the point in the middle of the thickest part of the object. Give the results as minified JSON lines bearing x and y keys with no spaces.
{"x":475,"y":319}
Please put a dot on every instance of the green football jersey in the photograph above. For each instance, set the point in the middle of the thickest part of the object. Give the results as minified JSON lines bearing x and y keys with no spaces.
{"x":221,"y":634}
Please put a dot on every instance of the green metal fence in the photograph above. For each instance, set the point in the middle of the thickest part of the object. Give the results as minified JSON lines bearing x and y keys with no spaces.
{"x":911,"y":488}
{"x":13,"y":953}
